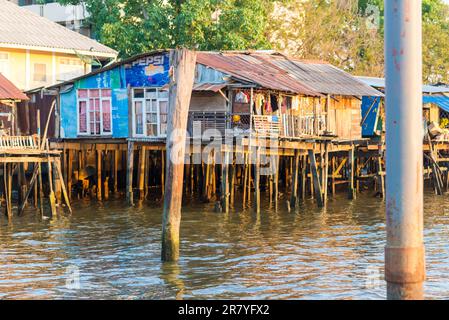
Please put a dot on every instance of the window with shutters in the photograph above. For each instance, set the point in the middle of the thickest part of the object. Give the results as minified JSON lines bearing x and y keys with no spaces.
{"x":94,"y":112}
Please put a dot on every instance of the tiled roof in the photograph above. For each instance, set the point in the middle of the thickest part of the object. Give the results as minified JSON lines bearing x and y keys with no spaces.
{"x":21,"y":28}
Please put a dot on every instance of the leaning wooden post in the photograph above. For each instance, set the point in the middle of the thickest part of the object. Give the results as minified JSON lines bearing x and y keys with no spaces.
{"x":183,"y":63}
{"x":316,"y":179}
{"x":404,"y":252}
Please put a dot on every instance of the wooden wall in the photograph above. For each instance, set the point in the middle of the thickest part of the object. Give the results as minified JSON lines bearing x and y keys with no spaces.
{"x":344,"y":117}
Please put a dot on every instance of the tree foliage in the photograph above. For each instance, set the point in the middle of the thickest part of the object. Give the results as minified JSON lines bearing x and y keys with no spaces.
{"x":350,"y":34}
{"x":135,"y":26}
{"x":346,"y":33}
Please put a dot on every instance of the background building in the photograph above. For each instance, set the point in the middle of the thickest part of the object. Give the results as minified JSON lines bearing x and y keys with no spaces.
{"x":71,"y":17}
{"x":36,"y":52}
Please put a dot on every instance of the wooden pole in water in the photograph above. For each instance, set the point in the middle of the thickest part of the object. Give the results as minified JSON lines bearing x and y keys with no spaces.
{"x":141,"y":173}
{"x":69,"y":172}
{"x":116,"y":160}
{"x":225,"y":180}
{"x":57,"y":163}
{"x":325,"y":171}
{"x":257,"y":181}
{"x":351,"y":172}
{"x":41,"y":192}
{"x":129,"y":174}
{"x":294,"y":185}
{"x":316,"y":179}
{"x":183,"y":63}
{"x":404,"y":252}
{"x":99,"y":176}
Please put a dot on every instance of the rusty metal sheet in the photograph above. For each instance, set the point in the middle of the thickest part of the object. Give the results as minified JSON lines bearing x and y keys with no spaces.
{"x":8,"y":91}
{"x":214,"y":87}
{"x":254,"y":68}
{"x":326,"y":78}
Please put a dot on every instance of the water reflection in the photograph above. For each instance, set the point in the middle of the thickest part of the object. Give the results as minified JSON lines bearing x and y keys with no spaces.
{"x":310,"y":253}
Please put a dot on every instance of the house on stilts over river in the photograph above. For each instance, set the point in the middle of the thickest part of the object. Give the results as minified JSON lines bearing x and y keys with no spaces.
{"x":435,"y":129}
{"x":20,"y":153}
{"x":111,"y":126}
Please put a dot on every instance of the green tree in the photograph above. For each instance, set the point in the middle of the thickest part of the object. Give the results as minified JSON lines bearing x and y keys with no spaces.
{"x":342,"y":32}
{"x":135,"y":26}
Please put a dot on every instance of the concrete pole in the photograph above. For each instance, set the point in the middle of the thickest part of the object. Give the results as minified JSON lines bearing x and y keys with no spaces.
{"x":404,"y":253}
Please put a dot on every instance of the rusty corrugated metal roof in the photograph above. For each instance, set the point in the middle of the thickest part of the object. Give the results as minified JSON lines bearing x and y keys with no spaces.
{"x":256,"y":68}
{"x":214,"y":87}
{"x":325,"y":78}
{"x":275,"y":71}
{"x":8,"y":91}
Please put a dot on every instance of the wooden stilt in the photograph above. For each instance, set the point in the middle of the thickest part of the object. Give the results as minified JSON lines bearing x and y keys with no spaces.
{"x":325,"y":171}
{"x":316,"y":179}
{"x":294,"y":184}
{"x":99,"y":175}
{"x":129,"y":174}
{"x":22,"y":182}
{"x":232,"y":178}
{"x":351,"y":172}
{"x":52,"y":197}
{"x":41,"y":191}
{"x":116,"y":161}
{"x":8,"y":209}
{"x":36,"y":192}
{"x":257,"y":181}
{"x":225,"y":182}
{"x":69,"y":172}
{"x":275,"y":176}
{"x":303,"y":177}
{"x":64,"y":190}
{"x":163,"y":173}
{"x":141,"y":173}
{"x":245,"y":179}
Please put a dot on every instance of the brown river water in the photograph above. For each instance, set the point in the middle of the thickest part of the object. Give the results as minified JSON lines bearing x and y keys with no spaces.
{"x":113,"y":252}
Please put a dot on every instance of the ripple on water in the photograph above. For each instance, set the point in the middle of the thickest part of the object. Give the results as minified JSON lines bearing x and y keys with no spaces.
{"x":309,"y":254}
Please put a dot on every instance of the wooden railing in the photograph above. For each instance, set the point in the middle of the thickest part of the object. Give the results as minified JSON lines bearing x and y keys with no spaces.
{"x":19,"y":142}
{"x":269,"y":126}
{"x":299,"y":126}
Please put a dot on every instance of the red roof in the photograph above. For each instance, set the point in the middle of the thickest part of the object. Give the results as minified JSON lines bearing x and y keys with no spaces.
{"x":8,"y":91}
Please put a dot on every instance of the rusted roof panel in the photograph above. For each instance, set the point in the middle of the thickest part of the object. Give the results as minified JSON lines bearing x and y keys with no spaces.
{"x":325,"y":78}
{"x":254,"y":68}
{"x":8,"y":91}
{"x":214,"y":87}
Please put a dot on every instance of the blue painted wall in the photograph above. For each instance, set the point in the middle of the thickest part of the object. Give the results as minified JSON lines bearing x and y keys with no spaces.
{"x":151,"y":71}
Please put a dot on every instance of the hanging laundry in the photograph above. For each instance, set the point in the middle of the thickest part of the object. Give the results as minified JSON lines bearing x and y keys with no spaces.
{"x":283,"y":103}
{"x":241,"y":97}
{"x":259,"y":103}
{"x":274,"y":103}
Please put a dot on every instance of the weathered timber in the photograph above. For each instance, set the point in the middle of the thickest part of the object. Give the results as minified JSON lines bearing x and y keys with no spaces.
{"x":183,"y":63}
